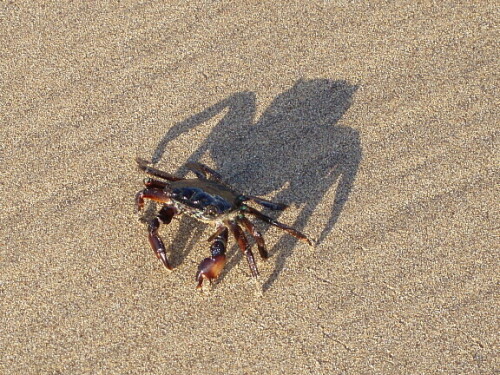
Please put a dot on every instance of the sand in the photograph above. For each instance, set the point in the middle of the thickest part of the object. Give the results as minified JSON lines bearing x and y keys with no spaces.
{"x":376,"y":121}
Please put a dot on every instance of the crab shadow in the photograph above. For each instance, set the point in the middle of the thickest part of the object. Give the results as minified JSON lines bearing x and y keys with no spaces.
{"x":295,"y":151}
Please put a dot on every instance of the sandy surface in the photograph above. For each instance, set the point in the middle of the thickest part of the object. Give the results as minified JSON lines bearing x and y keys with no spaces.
{"x":377,"y":123}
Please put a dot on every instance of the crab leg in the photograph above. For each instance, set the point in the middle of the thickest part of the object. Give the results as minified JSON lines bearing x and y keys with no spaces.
{"x":164,"y":216}
{"x":267,"y":204}
{"x":201,"y":171}
{"x":243,"y":244}
{"x":157,"y":243}
{"x":217,"y":233}
{"x":210,"y":268}
{"x":152,"y":183}
{"x":276,"y":223}
{"x":155,"y":194}
{"x":256,"y":235}
{"x":143,"y":164}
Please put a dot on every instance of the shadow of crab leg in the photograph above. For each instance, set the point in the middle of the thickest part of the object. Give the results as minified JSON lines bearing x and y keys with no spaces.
{"x":155,"y":194}
{"x":143,"y":165}
{"x":276,"y":223}
{"x":201,"y":171}
{"x":243,"y":244}
{"x":164,"y":216}
{"x":267,"y":204}
{"x":210,"y":268}
{"x":259,"y":240}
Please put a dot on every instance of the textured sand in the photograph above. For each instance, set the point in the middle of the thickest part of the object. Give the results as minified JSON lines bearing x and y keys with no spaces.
{"x":377,"y":123}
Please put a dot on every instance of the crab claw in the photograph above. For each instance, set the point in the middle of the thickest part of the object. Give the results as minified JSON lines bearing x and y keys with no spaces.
{"x":157,"y":243}
{"x":210,"y":268}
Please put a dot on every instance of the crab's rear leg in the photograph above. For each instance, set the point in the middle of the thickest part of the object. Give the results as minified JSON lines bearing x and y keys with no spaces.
{"x":210,"y":268}
{"x":267,"y":204}
{"x":270,"y":220}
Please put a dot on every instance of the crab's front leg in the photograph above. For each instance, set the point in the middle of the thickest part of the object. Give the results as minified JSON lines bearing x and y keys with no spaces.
{"x":165,"y":217}
{"x":155,"y":194}
{"x":210,"y":268}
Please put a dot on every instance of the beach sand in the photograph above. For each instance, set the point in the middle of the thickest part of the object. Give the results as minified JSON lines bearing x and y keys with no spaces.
{"x":376,"y":122}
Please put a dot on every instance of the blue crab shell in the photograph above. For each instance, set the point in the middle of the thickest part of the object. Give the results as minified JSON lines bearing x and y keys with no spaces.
{"x":203,"y":199}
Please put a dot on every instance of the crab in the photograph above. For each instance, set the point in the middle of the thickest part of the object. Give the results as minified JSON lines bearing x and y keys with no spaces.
{"x":208,"y":199}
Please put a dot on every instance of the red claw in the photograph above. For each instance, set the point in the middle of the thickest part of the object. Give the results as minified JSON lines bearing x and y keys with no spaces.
{"x":210,"y":268}
{"x":156,"y":242}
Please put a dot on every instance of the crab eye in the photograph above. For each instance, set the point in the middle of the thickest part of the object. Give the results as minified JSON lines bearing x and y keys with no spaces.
{"x":212,"y":210}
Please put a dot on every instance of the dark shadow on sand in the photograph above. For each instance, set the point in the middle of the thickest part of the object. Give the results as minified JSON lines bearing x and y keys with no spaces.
{"x":296,"y":147}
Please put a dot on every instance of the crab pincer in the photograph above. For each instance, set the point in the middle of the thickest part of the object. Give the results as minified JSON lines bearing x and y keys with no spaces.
{"x":210,"y":268}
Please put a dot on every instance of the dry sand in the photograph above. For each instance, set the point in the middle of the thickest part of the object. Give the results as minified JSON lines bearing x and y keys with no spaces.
{"x":376,"y":122}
